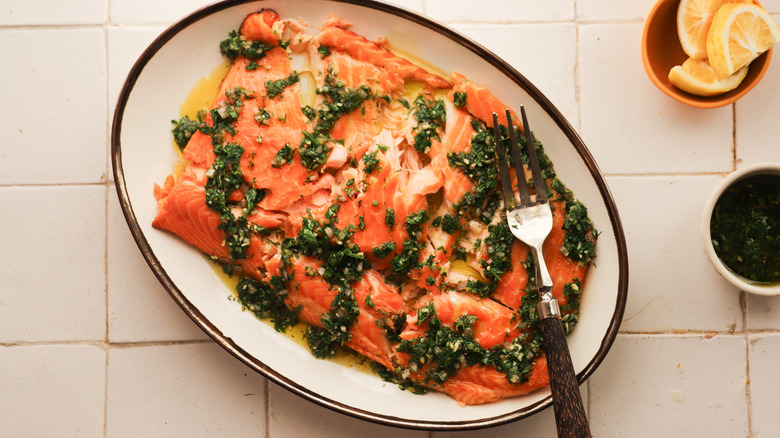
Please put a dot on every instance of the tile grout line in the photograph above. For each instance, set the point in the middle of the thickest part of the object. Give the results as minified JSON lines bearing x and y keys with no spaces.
{"x":748,"y":404}
{"x":107,"y":184}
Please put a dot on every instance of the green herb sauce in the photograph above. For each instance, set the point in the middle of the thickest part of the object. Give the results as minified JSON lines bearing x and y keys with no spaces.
{"x":745,"y":228}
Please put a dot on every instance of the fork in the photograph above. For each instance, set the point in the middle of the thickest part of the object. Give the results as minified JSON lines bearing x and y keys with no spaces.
{"x":530,"y":220}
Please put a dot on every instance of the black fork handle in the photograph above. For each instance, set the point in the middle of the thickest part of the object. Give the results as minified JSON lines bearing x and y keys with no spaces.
{"x":570,"y":417}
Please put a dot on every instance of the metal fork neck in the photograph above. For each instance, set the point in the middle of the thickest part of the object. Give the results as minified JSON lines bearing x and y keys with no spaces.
{"x":547,"y":305}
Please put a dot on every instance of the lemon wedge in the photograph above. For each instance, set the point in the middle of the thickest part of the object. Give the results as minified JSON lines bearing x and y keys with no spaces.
{"x":739,"y":33}
{"x":696,"y":76}
{"x":694,"y":18}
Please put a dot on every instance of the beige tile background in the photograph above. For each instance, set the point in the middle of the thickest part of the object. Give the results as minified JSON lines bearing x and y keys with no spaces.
{"x":92,"y":346}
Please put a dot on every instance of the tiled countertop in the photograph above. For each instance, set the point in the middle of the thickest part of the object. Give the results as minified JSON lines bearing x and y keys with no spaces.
{"x":92,"y":346}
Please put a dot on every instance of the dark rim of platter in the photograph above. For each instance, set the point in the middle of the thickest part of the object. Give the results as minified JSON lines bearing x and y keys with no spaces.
{"x":273,"y":375}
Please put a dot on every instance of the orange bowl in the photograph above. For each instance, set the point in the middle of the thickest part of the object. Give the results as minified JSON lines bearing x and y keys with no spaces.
{"x":661,"y":50}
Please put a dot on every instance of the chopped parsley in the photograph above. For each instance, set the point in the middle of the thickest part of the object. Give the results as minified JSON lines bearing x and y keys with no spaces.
{"x":449,"y":349}
{"x":236,"y":45}
{"x":266,"y":300}
{"x":383,"y":250}
{"x":276,"y":87}
{"x":430,"y":116}
{"x":459,"y":99}
{"x":262,"y":116}
{"x":479,"y":164}
{"x":370,"y":161}
{"x":283,"y":156}
{"x":183,"y":130}
{"x":389,"y":217}
{"x":323,"y":51}
{"x":339,"y":100}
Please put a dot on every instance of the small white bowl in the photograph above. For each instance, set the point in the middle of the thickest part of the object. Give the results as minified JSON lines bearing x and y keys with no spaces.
{"x":735,"y":279}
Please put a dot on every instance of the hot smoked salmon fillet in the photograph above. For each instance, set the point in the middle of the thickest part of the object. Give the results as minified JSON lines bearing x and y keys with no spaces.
{"x":356,"y":192}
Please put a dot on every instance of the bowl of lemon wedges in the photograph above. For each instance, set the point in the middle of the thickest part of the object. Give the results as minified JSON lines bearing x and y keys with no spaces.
{"x":707,"y":53}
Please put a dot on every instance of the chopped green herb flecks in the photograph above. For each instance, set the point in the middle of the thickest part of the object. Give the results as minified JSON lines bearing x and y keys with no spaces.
{"x":389,"y":217}
{"x":323,"y":51}
{"x":459,"y":99}
{"x":275,"y":88}
{"x":183,"y":130}
{"x":430,"y":116}
{"x":745,"y":228}
{"x":236,"y":45}
{"x":266,"y":300}
{"x":283,"y":156}
{"x":383,"y":250}
{"x":370,"y":161}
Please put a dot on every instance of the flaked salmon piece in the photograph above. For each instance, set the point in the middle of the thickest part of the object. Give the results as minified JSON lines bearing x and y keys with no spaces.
{"x":456,"y":138}
{"x":479,"y":385}
{"x":386,"y":198}
{"x":563,"y":270}
{"x":376,"y":300}
{"x":480,"y":102}
{"x":183,"y":211}
{"x":265,"y":26}
{"x":511,"y":288}
{"x":335,"y":35}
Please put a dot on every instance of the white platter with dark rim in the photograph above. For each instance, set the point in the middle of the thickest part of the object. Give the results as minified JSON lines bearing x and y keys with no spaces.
{"x":142,"y":154}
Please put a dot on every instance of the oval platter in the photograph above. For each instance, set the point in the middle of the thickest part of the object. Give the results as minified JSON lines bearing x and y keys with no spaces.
{"x":142,"y":154}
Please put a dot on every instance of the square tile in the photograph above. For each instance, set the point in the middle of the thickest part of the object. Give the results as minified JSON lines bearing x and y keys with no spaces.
{"x":544,"y":53}
{"x":125,"y":46}
{"x":52,"y":390}
{"x":676,"y":386}
{"x":606,"y":10}
{"x":47,"y":12}
{"x":757,"y":129}
{"x":764,"y":381}
{"x":762,"y":312}
{"x":183,"y":390}
{"x":293,"y":416}
{"x":672,"y":285}
{"x":152,"y":11}
{"x":52,"y":262}
{"x":500,"y":11}
{"x":632,"y":127}
{"x":139,"y":308}
{"x":54,"y":112}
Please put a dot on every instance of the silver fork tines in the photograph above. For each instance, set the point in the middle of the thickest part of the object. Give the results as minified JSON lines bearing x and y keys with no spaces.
{"x":529,"y":220}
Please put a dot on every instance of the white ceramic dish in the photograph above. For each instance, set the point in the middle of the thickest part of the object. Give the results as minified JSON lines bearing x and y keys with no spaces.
{"x":738,"y":281}
{"x":142,"y":155}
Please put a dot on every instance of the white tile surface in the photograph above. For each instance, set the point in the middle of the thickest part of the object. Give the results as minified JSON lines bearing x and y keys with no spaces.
{"x":665,"y":136}
{"x":183,"y":390}
{"x":125,"y":46}
{"x":47,"y":12}
{"x":608,"y":10}
{"x":52,"y":263}
{"x":764,"y":381}
{"x":762,"y":312}
{"x":500,"y":11}
{"x":54,"y":109}
{"x":661,"y":217}
{"x":82,"y":318}
{"x":293,"y":416}
{"x":757,"y":128}
{"x":676,"y":386}
{"x":145,"y":12}
{"x":139,"y":308}
{"x":52,"y":390}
